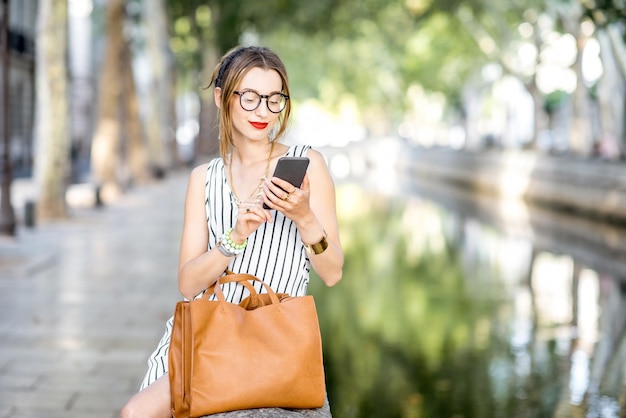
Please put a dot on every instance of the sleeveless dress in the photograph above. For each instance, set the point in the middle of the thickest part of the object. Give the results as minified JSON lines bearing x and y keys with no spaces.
{"x":274,"y":253}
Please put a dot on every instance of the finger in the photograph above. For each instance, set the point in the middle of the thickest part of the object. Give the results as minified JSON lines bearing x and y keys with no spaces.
{"x":283,"y":184}
{"x":257,"y":214}
{"x":273,"y":194}
{"x":305,"y":183}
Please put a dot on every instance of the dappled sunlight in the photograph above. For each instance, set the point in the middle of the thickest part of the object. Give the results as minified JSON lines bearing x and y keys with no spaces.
{"x":423,"y":229}
{"x":588,"y":310}
{"x":552,"y":288}
{"x":424,"y":123}
{"x":315,"y":125}
{"x":516,"y":174}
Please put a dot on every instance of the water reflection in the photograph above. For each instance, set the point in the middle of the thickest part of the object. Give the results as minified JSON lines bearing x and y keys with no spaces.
{"x":443,"y":313}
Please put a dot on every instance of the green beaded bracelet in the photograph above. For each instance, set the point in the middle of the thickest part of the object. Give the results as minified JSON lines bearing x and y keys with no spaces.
{"x":230,"y":246}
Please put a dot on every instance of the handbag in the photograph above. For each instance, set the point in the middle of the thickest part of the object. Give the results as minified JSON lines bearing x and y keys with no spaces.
{"x":224,"y":357}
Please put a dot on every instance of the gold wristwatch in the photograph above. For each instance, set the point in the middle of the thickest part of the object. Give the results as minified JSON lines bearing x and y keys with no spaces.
{"x":318,"y":247}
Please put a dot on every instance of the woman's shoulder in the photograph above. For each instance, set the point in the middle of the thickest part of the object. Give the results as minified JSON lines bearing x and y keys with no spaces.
{"x":202,"y":170}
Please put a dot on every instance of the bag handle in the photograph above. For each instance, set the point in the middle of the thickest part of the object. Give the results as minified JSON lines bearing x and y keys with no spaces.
{"x":242,"y":279}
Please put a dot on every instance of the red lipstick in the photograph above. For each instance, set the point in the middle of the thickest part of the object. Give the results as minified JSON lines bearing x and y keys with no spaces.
{"x":259,"y":125}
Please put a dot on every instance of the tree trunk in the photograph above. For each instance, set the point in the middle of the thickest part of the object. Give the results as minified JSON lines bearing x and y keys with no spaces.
{"x":580,"y":140}
{"x":611,"y":93}
{"x":616,"y":36}
{"x":541,"y":117}
{"x":52,"y":136}
{"x":132,"y":129}
{"x":106,"y":142}
{"x":161,"y":126}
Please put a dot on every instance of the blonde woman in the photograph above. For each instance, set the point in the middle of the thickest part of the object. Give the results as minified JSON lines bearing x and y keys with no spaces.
{"x":225,"y":224}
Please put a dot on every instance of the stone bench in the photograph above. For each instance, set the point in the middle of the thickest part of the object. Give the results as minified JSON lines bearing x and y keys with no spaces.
{"x":323,"y":412}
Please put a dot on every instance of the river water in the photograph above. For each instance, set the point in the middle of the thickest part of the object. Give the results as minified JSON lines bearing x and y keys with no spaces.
{"x":453,"y":305}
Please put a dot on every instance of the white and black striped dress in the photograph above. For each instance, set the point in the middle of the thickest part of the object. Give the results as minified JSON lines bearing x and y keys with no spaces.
{"x":274,"y":253}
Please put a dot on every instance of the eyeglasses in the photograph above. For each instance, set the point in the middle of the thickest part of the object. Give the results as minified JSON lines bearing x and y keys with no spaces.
{"x":250,"y":100}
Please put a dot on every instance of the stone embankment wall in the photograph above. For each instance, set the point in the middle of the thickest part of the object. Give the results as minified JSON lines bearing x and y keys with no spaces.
{"x":587,"y":186}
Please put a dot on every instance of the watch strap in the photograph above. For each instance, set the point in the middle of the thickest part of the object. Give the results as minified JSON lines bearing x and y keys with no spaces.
{"x":318,"y":247}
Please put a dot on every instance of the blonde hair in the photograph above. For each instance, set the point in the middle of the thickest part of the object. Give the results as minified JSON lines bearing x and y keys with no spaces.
{"x":229,"y":72}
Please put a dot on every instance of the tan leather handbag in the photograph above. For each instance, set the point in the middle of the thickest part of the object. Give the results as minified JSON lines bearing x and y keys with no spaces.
{"x":224,"y":357}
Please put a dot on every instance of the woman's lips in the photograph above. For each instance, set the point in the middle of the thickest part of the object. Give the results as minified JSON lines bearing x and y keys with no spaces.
{"x":259,"y":125}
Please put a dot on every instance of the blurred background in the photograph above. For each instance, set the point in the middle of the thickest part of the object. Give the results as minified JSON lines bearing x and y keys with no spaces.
{"x":477,"y":147}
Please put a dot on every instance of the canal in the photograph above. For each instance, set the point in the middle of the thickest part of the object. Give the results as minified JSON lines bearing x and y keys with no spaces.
{"x":456,"y":305}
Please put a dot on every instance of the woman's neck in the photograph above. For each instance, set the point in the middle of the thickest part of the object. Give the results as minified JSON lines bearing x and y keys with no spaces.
{"x":251,"y":153}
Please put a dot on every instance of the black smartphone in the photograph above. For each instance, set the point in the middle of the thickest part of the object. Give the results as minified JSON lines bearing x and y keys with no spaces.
{"x":291,"y":169}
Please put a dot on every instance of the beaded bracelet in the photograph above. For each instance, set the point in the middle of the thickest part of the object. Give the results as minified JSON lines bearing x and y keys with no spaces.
{"x":230,"y":246}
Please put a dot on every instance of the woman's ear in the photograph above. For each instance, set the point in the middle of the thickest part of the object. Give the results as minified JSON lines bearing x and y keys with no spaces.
{"x":217,"y":95}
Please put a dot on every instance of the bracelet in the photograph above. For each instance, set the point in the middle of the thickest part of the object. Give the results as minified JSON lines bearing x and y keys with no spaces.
{"x":228,"y":247}
{"x":318,"y":247}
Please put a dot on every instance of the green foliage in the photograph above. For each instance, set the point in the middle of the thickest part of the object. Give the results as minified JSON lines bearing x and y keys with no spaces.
{"x":367,"y":51}
{"x":188,"y":26}
{"x":440,"y":56}
{"x":332,"y":70}
{"x":554,"y":100}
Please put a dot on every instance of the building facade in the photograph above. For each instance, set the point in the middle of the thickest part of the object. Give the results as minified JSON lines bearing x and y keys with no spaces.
{"x":21,"y":95}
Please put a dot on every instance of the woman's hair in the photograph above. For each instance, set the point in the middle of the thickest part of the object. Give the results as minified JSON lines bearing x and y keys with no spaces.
{"x":229,"y":72}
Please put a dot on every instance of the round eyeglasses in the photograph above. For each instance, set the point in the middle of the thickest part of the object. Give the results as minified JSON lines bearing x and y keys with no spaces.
{"x":250,"y":100}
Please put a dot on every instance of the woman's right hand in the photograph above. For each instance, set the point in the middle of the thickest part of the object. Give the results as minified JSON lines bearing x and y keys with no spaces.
{"x":251,"y":216}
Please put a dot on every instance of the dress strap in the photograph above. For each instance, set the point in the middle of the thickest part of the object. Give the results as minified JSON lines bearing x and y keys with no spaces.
{"x":298,"y":150}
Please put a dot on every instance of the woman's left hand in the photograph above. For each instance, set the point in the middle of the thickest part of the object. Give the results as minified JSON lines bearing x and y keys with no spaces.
{"x":291,"y":201}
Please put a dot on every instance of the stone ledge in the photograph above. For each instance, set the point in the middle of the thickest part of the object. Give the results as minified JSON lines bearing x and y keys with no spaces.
{"x":273,"y":413}
{"x":323,"y":412}
{"x":591,"y":187}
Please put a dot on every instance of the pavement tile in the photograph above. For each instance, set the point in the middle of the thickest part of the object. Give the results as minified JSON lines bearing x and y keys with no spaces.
{"x":23,"y":381}
{"x":6,"y":411}
{"x":28,"y":399}
{"x":85,"y":302}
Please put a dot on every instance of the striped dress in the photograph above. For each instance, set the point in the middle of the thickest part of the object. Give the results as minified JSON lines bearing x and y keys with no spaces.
{"x":274,"y":253}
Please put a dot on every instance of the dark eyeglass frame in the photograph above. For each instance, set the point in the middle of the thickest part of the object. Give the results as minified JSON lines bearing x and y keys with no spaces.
{"x":261,"y":97}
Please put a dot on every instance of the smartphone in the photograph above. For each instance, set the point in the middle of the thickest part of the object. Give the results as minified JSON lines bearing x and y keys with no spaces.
{"x":291,"y":169}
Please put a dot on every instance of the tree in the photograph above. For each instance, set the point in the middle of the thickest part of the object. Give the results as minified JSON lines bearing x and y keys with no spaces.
{"x":7,"y":216}
{"x":105,"y":148}
{"x":605,"y":12}
{"x":52,"y":136}
{"x":118,"y":148}
{"x":609,"y":16}
{"x":130,"y":120}
{"x":161,"y":115}
{"x":441,"y":46}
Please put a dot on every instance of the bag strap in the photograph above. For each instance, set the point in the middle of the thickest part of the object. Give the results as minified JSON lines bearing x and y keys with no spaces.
{"x":242,"y":279}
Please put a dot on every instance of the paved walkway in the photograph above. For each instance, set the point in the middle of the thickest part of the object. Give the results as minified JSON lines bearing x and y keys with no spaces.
{"x":84,"y":302}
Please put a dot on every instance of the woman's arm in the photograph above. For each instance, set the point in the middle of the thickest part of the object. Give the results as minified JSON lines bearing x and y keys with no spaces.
{"x":329,"y":264}
{"x":198,"y":268}
{"x":313,"y":210}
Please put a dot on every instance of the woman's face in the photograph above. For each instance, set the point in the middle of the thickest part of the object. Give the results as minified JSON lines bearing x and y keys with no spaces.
{"x":255,"y":124}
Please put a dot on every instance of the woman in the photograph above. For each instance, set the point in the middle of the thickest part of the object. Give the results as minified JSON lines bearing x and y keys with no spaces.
{"x":278,"y":245}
